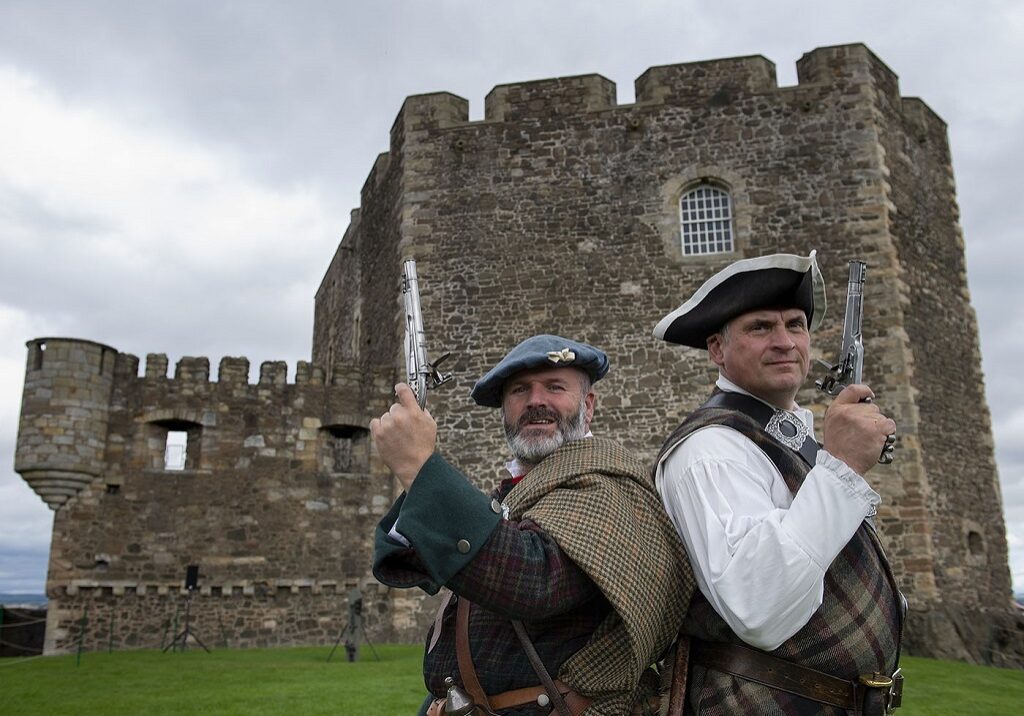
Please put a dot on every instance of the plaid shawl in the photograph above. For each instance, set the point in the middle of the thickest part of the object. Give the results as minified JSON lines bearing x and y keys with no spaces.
{"x":856,"y":629}
{"x":599,"y":504}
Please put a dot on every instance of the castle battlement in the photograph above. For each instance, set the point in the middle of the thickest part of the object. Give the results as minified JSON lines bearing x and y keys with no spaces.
{"x":233,"y":371}
{"x":79,"y":393}
{"x":698,"y":82}
{"x":563,"y":95}
{"x":71,"y":360}
{"x":691,"y":84}
{"x":843,"y":64}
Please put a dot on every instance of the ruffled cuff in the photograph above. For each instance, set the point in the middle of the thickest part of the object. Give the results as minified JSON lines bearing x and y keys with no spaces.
{"x":851,"y":480}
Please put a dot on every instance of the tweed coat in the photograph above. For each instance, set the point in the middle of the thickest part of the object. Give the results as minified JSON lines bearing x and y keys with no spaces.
{"x":599,"y":503}
{"x":856,"y":629}
{"x":595,"y":501}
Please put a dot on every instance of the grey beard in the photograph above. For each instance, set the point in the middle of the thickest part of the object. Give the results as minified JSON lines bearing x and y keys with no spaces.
{"x":532,"y":450}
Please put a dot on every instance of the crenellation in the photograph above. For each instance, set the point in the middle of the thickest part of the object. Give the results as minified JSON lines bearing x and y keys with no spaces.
{"x":378,"y":173}
{"x":424,"y":112}
{"x":923,"y":126}
{"x":435,"y":110}
{"x":842,"y":65}
{"x":233,"y":371}
{"x":273,"y":373}
{"x":156,"y":365}
{"x":306,"y":373}
{"x":715,"y":82}
{"x":524,"y":101}
{"x":192,"y":370}
{"x":126,"y":367}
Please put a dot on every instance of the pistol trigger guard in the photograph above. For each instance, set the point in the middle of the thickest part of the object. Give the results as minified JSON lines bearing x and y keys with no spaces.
{"x":438,"y":378}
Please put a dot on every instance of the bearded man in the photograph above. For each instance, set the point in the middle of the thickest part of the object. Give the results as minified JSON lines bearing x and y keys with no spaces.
{"x":549,"y":582}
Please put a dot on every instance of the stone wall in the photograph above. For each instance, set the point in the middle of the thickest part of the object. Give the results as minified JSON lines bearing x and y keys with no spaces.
{"x":258,"y":614}
{"x":965,"y":530}
{"x":277,"y":499}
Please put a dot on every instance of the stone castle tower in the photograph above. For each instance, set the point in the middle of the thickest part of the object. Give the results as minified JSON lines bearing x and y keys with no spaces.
{"x":561,"y":211}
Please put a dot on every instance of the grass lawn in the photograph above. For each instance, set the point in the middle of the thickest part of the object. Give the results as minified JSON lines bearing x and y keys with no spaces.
{"x":301,"y":681}
{"x":225,"y":681}
{"x":949,"y":688}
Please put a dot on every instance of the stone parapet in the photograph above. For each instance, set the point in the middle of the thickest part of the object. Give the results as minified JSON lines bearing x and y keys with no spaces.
{"x":715,"y":81}
{"x":118,"y":615}
{"x":524,"y":101}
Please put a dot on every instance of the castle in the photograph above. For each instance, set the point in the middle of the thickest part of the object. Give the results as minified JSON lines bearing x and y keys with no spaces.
{"x":564,"y":212}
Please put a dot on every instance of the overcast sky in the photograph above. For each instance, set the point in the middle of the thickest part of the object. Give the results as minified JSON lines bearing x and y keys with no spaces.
{"x":175,"y":176}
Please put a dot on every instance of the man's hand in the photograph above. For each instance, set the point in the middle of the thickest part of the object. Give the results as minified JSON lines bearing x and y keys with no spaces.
{"x":855,"y":429}
{"x":404,"y":436}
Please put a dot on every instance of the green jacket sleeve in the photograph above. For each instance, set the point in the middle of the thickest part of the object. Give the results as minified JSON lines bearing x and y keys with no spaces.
{"x":446,"y":521}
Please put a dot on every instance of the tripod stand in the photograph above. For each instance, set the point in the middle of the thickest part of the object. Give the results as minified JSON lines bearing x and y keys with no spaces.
{"x":352,"y":641}
{"x":183,"y":635}
{"x":352,"y":630}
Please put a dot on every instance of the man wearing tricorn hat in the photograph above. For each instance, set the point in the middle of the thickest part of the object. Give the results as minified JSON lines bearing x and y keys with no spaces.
{"x":797,"y":610}
{"x":564,"y":559}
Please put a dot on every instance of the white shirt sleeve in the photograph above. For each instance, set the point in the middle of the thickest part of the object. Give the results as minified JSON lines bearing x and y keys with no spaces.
{"x":397,"y":536}
{"x":758,"y":553}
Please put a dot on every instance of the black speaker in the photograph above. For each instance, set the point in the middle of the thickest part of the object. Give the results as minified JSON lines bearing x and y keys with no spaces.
{"x":191,"y":577}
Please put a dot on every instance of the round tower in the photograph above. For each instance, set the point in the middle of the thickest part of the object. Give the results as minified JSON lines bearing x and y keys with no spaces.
{"x":65,"y":411}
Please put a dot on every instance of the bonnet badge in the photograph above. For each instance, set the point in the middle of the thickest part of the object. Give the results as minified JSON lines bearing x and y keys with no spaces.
{"x":565,"y":355}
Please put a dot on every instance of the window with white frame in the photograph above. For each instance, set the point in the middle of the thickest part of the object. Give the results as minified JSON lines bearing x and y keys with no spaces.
{"x":175,"y":450}
{"x":705,"y":220}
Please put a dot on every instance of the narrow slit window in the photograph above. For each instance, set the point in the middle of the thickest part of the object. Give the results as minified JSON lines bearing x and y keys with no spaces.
{"x":705,"y":221}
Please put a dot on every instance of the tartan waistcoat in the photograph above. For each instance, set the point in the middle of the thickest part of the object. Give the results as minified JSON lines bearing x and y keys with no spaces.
{"x":856,"y":629}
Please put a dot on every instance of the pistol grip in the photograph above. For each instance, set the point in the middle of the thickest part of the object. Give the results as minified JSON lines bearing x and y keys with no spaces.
{"x":886,"y":456}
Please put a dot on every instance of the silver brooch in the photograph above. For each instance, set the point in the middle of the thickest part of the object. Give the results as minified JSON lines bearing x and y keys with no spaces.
{"x":788,"y":429}
{"x":565,"y":355}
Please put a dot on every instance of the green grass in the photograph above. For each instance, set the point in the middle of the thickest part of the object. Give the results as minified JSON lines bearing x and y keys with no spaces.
{"x":225,"y":681}
{"x":301,"y":681}
{"x":949,"y":688}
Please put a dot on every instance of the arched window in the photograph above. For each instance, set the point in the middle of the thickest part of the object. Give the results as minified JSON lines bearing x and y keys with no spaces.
{"x":705,"y":220}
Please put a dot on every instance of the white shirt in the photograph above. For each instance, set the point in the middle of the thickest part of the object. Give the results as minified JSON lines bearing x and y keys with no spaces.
{"x":759,"y":554}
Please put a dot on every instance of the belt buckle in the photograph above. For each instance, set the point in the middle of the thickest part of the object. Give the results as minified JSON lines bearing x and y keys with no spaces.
{"x":890,"y":686}
{"x":883,"y":686}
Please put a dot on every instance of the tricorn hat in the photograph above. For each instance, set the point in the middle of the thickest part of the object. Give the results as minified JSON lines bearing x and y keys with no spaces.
{"x":536,"y":352}
{"x":778,"y":280}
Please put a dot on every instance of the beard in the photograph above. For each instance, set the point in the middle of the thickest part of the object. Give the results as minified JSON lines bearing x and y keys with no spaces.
{"x":531,"y":449}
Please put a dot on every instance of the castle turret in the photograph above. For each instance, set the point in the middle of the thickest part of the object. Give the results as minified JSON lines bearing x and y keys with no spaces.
{"x":65,"y":411}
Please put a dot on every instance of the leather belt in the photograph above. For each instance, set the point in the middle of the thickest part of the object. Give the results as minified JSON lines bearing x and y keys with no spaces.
{"x":762,"y":414}
{"x":555,"y":692}
{"x":525,"y":696}
{"x":465,"y":658}
{"x":881,"y":696}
